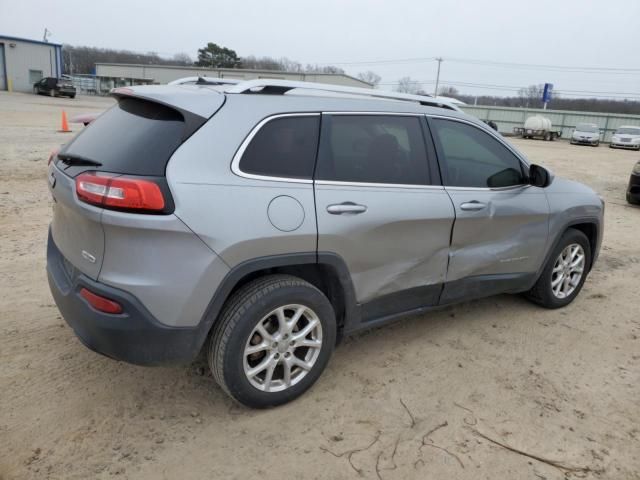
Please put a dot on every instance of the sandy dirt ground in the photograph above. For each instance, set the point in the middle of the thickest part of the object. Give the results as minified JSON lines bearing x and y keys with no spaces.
{"x":496,"y":388}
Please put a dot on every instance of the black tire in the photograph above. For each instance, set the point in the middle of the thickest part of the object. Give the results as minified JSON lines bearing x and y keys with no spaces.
{"x":72,"y":96}
{"x":541,"y":293}
{"x":548,"y":137}
{"x":597,"y":144}
{"x":631,"y":200}
{"x":240,"y":315}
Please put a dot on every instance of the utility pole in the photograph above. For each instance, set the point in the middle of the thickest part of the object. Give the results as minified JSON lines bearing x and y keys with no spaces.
{"x":439,"y":60}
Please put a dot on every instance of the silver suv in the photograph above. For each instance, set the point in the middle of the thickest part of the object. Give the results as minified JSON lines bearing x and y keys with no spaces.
{"x":263,"y":221}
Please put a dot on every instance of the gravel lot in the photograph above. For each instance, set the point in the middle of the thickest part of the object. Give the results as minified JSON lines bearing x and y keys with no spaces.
{"x":464,"y":392}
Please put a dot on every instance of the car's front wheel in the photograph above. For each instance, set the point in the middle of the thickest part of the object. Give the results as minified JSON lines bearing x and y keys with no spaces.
{"x":272,"y":341}
{"x":565,"y":271}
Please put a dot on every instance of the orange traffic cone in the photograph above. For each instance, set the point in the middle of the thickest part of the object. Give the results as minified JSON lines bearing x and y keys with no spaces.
{"x":65,"y":125}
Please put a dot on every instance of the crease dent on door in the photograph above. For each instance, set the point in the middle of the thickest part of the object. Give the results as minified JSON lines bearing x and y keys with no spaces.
{"x":497,"y":243}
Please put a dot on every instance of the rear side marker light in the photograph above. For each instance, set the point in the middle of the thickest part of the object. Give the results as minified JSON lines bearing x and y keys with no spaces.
{"x":120,"y":192}
{"x":100,"y":303}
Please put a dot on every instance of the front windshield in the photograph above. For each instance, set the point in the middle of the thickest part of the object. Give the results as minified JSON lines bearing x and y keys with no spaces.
{"x":585,"y":127}
{"x":628,"y":131}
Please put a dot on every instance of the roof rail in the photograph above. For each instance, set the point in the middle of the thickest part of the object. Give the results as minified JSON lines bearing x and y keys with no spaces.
{"x":200,"y":80}
{"x":282,"y":86}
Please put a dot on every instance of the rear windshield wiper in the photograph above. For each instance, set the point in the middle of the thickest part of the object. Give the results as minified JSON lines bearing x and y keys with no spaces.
{"x":77,"y":160}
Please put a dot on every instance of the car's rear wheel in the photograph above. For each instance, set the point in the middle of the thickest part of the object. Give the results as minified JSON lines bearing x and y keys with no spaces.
{"x":273,"y":340}
{"x":565,"y":271}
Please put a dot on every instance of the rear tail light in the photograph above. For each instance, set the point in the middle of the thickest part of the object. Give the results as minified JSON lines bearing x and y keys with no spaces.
{"x":119,"y":192}
{"x":101,"y":303}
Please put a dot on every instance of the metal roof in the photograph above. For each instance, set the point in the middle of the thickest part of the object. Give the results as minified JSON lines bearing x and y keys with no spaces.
{"x":231,"y":70}
{"x":28,"y":40}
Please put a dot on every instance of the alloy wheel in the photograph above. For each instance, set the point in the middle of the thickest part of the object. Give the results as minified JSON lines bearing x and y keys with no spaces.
{"x":568,"y":271}
{"x":282,"y":348}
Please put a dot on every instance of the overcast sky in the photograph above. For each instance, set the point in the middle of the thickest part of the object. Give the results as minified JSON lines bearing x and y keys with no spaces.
{"x":566,"y":33}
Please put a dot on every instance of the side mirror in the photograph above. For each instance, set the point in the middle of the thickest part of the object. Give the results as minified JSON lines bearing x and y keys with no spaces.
{"x":539,"y":176}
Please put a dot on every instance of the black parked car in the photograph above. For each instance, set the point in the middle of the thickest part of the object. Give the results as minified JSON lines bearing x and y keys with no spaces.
{"x":55,"y":87}
{"x":633,"y":190}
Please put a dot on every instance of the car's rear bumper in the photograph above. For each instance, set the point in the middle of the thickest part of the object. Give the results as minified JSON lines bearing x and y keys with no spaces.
{"x":133,"y":336}
{"x":633,"y":190}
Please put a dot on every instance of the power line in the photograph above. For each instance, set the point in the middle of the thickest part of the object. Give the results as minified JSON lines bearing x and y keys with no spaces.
{"x":542,"y":66}
{"x":490,"y":63}
{"x":514,"y":88}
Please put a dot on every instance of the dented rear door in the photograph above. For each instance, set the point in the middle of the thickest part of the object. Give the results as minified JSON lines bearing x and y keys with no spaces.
{"x":381,"y":208}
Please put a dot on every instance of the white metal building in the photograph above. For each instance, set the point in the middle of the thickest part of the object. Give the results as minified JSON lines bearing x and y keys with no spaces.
{"x":23,"y":62}
{"x":123,"y":74}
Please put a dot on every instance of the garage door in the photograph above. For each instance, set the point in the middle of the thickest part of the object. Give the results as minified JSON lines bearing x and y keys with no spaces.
{"x":3,"y":73}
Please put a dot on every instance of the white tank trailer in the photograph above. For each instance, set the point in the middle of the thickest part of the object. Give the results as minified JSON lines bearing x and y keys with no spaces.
{"x":537,"y":126}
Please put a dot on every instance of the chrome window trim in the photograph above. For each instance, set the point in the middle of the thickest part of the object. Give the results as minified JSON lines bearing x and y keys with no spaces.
{"x":235,"y":163}
{"x":491,"y":132}
{"x":393,"y":114}
{"x":489,"y":189}
{"x":336,"y":183}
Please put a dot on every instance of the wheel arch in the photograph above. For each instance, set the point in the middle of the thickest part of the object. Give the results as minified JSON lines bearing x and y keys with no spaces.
{"x":326,"y":271}
{"x":590,"y":226}
{"x":590,"y":229}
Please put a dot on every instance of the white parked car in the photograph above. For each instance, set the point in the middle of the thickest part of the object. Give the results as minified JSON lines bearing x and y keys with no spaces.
{"x":586,"y":134}
{"x":627,"y":136}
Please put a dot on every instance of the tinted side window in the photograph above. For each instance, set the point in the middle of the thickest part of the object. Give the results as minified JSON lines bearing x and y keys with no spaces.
{"x":373,"y":149}
{"x":473,"y":158}
{"x":283,"y":147}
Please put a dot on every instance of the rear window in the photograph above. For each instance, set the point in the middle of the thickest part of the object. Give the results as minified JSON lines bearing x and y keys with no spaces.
{"x":135,"y":136}
{"x":284,"y":147}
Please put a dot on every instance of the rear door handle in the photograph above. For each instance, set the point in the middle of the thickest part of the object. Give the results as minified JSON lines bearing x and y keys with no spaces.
{"x":474,"y":205}
{"x":346,"y":207}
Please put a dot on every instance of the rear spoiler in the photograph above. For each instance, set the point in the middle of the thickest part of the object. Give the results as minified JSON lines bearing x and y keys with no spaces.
{"x":200,"y":101}
{"x":196,"y":105}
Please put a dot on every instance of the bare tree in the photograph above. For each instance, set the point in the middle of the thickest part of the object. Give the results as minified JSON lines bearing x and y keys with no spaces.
{"x":448,"y":91}
{"x":370,"y":77}
{"x":315,"y":68}
{"x":269,"y":63}
{"x":182,"y":58}
{"x":531,"y":96}
{"x":407,"y":85}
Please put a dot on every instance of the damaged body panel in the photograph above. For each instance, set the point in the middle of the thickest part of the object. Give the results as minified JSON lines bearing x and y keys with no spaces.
{"x":507,"y":234}
{"x":400,"y":242}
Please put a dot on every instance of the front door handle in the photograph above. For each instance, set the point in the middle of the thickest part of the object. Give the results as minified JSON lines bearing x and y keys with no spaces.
{"x":472,"y":206}
{"x":346,"y":207}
